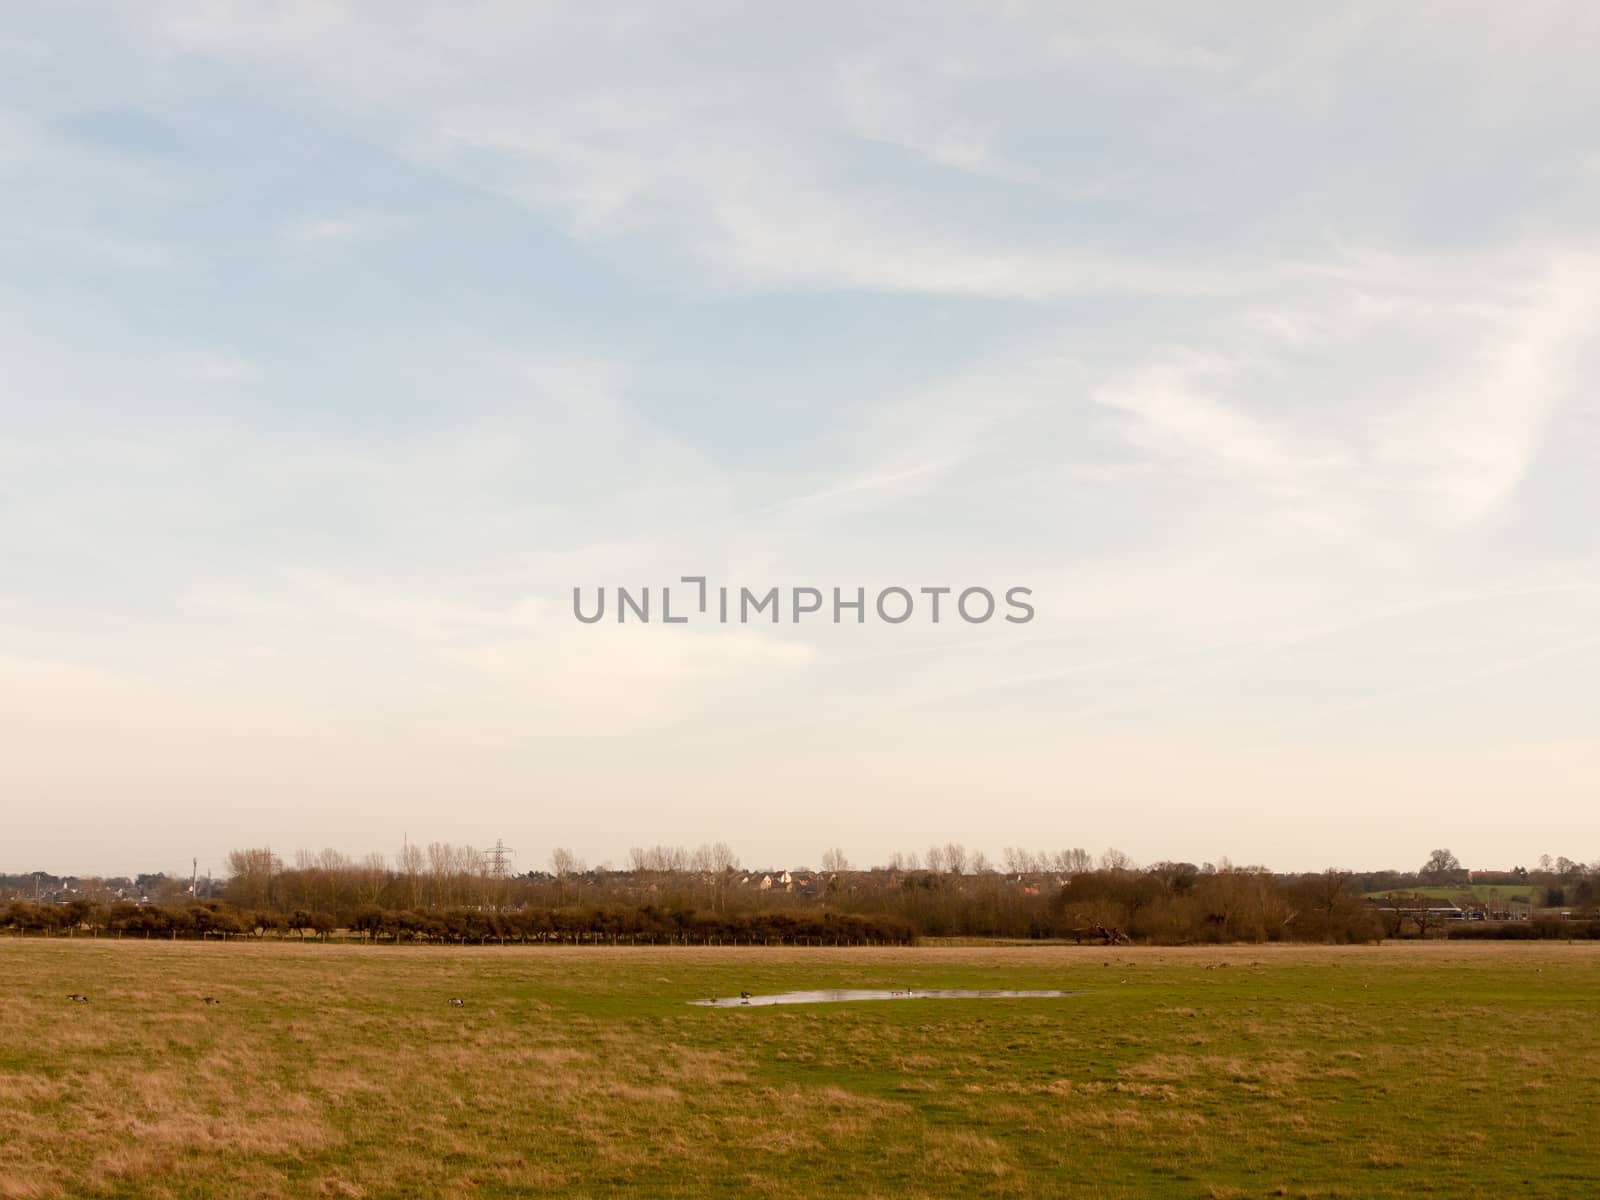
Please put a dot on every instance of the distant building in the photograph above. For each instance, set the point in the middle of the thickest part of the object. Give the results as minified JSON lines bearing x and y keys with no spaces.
{"x":1424,"y":906}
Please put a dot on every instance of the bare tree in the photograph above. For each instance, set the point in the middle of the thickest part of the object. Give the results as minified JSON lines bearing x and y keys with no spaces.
{"x":1334,"y":890}
{"x":662,"y":859}
{"x":563,"y":862}
{"x":372,"y":878}
{"x":1074,"y":861}
{"x":1441,"y":865}
{"x":834,"y":861}
{"x":412,"y":864}
{"x":1115,"y":860}
{"x":1422,"y":915}
{"x":251,"y":872}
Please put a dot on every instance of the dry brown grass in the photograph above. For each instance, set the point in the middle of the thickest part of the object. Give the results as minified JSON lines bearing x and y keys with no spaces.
{"x":340,"y":1071}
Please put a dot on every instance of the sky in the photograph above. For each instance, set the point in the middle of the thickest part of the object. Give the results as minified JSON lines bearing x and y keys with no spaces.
{"x":340,"y":343}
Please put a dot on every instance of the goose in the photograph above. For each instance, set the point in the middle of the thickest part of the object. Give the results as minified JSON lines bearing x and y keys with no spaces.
{"x":457,"y":1001}
{"x":78,"y":998}
{"x":209,"y":1000}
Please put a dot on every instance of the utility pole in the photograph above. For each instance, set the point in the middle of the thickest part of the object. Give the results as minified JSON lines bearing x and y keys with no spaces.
{"x":497,"y":864}
{"x":497,"y":859}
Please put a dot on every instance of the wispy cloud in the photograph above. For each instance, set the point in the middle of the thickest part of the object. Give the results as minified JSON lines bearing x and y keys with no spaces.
{"x":338,"y":344}
{"x":358,"y":226}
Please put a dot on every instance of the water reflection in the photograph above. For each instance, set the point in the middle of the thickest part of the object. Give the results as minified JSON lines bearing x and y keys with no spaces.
{"x":843,"y":995}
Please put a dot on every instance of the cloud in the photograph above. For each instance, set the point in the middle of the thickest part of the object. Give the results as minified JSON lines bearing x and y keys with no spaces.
{"x":346,"y":227}
{"x":719,"y":164}
{"x":1472,"y":441}
{"x":1176,"y":413}
{"x":877,"y":101}
{"x":340,"y":343}
{"x":213,"y":366}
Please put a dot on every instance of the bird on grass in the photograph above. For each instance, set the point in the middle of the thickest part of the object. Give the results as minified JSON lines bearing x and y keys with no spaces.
{"x":78,"y":998}
{"x":209,"y":1000}
{"x":457,"y":1001}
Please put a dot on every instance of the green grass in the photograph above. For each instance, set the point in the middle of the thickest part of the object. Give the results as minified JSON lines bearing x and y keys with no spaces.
{"x":1401,"y":1070}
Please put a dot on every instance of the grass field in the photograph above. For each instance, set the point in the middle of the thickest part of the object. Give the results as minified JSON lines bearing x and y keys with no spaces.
{"x":1398,"y":1070}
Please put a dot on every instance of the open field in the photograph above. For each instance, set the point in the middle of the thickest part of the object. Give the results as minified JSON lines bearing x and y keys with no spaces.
{"x":1452,"y":1070}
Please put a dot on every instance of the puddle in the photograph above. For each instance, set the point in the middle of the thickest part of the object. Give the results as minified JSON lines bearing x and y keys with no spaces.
{"x":844,"y":995}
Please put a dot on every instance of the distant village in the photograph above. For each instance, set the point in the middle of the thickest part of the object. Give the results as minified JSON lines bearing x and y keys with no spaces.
{"x":455,"y":892}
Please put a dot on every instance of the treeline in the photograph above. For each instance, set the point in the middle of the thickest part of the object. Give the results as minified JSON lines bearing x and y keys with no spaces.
{"x":1097,"y":910}
{"x":947,"y":893}
{"x":577,"y":925}
{"x":1538,"y":929}
{"x":447,"y":893}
